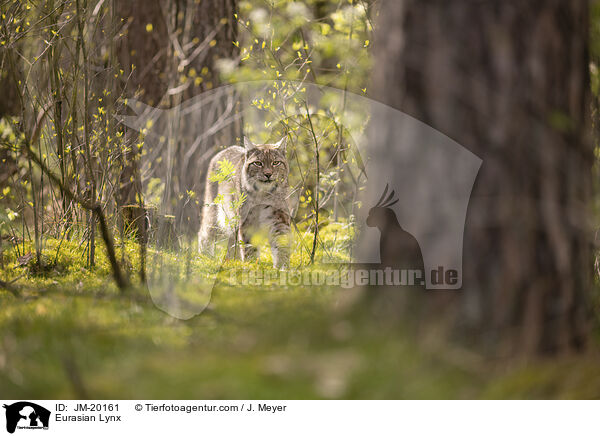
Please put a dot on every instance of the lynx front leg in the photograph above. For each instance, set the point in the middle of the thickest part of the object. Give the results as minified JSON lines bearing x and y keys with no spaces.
{"x":279,"y":238}
{"x":231,"y":247}
{"x":207,"y":238}
{"x":247,"y":228}
{"x":247,"y":250}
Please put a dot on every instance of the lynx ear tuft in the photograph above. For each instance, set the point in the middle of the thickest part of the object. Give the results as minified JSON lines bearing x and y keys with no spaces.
{"x":282,"y":144}
{"x":248,"y":144}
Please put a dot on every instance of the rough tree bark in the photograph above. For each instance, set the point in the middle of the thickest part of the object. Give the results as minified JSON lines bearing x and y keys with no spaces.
{"x":9,"y":106}
{"x":508,"y":80}
{"x":168,"y":40}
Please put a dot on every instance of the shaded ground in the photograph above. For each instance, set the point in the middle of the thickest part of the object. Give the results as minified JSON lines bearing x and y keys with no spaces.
{"x":71,"y":335}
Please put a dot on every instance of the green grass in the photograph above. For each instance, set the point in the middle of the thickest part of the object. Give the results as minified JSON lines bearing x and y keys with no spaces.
{"x":71,"y":334}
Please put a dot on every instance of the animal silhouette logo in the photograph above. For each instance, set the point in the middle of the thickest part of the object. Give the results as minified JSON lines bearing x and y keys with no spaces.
{"x":26,"y":415}
{"x":397,"y":248}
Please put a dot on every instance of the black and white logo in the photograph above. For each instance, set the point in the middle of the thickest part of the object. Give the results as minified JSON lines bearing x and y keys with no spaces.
{"x":26,"y":415}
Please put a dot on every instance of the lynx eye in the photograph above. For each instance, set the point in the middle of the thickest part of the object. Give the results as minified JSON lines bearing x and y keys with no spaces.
{"x":257,"y":163}
{"x":277,"y":162}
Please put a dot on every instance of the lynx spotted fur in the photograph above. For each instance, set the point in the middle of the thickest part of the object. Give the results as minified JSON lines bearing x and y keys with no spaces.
{"x":261,"y":176}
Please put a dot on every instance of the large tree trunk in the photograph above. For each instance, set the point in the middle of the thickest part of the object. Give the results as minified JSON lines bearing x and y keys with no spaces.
{"x":508,"y":80}
{"x":175,"y":47}
{"x":158,"y":34}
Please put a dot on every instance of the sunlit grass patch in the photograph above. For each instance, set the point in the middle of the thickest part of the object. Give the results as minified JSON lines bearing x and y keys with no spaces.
{"x":73,"y":334}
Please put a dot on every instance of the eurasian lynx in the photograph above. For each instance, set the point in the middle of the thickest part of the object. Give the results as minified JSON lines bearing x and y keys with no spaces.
{"x":261,"y":180}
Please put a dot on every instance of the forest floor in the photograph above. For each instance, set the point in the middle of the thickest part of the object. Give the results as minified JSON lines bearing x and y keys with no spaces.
{"x":70,"y":333}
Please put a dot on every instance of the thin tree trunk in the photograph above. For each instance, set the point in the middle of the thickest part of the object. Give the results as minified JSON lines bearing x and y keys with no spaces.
{"x":89,"y":159}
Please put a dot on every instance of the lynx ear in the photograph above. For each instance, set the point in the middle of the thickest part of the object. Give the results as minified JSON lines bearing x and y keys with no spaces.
{"x":248,"y":144}
{"x":282,"y":144}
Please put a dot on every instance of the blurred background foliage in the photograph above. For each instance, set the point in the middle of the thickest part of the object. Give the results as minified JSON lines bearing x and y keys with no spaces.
{"x":69,"y":330}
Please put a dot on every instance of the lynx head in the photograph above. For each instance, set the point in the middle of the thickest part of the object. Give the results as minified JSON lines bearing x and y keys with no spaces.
{"x":265,"y":166}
